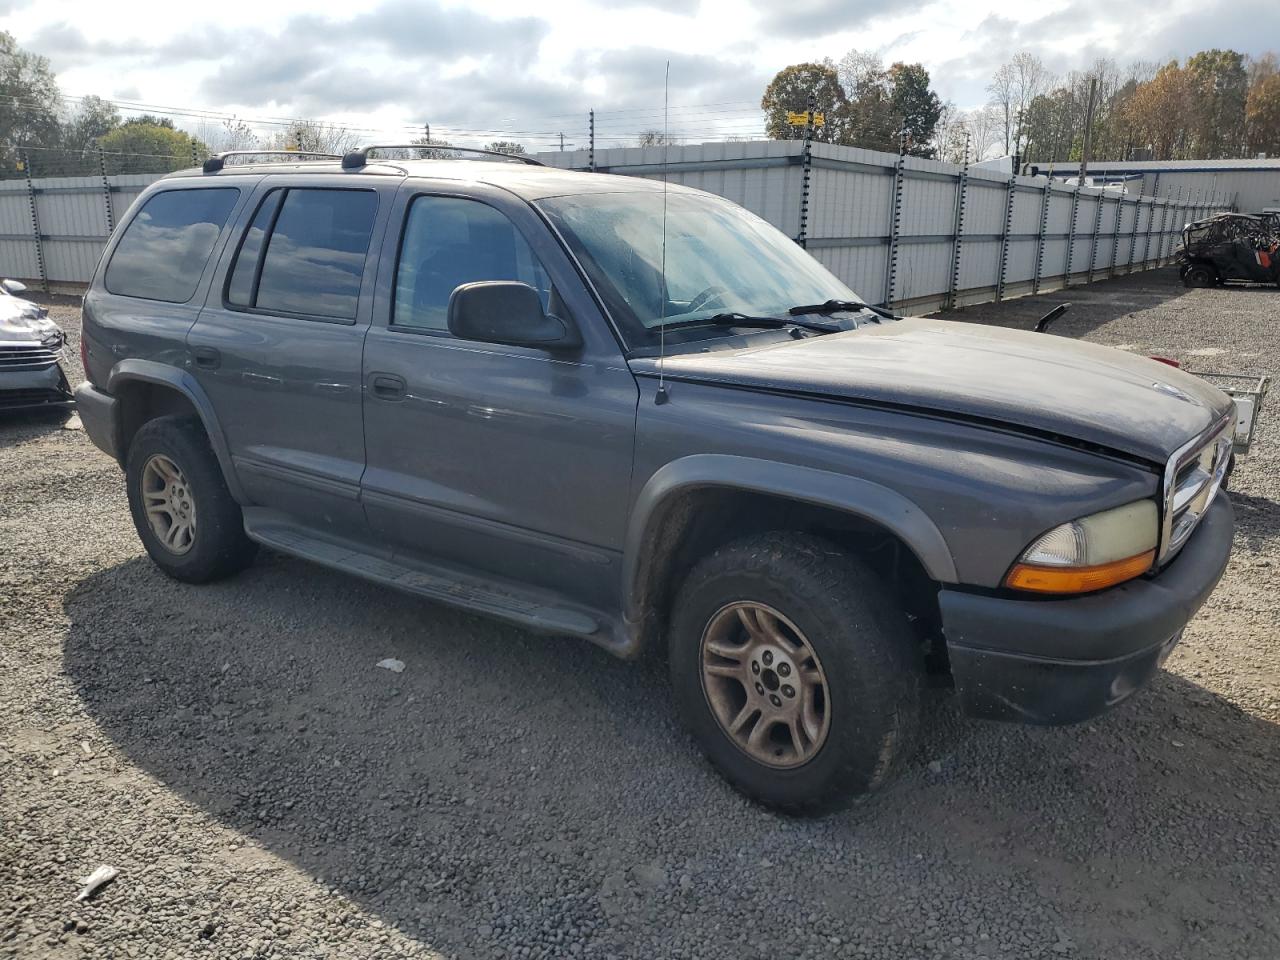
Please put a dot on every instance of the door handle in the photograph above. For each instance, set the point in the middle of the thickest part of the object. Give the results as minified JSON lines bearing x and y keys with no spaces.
{"x":207,"y":358}
{"x":387,"y":386}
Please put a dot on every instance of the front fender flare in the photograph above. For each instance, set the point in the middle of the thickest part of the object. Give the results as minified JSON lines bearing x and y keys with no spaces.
{"x":175,"y":378}
{"x":861,"y":498}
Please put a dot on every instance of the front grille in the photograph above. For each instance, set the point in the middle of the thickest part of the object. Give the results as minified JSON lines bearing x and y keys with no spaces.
{"x":26,"y":357}
{"x":30,"y":398}
{"x":1192,"y":479}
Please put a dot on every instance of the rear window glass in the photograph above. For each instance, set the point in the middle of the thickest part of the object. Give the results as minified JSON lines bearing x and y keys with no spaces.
{"x":314,"y":255}
{"x":165,"y":247}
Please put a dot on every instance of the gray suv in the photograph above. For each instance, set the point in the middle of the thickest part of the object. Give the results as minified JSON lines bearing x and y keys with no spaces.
{"x":603,"y":407}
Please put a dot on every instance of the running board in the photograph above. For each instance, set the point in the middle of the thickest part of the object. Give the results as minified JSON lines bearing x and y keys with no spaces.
{"x":522,"y":607}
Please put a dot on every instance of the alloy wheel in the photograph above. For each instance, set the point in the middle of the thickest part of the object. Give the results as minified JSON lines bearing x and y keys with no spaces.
{"x":169,"y":505}
{"x":765,"y":684}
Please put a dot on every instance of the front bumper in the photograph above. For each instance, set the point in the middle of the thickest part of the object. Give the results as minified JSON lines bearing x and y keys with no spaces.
{"x":41,"y":389}
{"x":1063,"y":661}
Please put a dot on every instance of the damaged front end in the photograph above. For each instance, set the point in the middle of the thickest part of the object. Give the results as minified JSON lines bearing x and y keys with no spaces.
{"x":31,"y":353}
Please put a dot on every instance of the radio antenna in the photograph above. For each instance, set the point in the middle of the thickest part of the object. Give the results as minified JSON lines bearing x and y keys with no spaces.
{"x":661,"y":396}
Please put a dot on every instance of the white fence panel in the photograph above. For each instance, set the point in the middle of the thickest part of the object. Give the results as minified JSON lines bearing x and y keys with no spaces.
{"x":889,"y":237}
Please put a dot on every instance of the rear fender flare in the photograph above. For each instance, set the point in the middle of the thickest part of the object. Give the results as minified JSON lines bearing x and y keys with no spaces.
{"x":162,"y":374}
{"x":862,"y":498}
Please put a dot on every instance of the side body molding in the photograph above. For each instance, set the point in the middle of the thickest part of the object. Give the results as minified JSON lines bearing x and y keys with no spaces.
{"x":163,"y":374}
{"x":861,"y":498}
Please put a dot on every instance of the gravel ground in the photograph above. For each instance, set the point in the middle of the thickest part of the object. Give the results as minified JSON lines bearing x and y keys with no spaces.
{"x":266,"y":791}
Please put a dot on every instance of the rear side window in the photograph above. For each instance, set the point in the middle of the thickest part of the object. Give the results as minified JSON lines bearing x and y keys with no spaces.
{"x":304,"y":253}
{"x":165,"y":247}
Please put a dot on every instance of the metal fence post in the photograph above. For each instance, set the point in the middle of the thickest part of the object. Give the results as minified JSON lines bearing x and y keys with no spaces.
{"x":806,"y":160}
{"x":108,"y":213}
{"x":1115,"y":235}
{"x":962,"y":197}
{"x":1164,"y":233}
{"x":1099,"y":202}
{"x":895,"y":222}
{"x":1011,"y":191}
{"x":35,"y":222}
{"x":1146,"y":241}
{"x":1133,"y":233}
{"x":1045,"y":200}
{"x":591,"y":140}
{"x":1071,"y":237}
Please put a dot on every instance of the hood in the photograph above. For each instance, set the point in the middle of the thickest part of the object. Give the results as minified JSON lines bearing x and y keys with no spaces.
{"x":24,"y":322}
{"x":1034,"y":381}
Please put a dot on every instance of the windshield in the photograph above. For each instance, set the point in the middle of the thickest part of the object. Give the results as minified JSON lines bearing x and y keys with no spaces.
{"x":720,"y":259}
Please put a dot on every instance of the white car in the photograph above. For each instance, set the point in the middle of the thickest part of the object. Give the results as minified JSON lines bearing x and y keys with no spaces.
{"x":31,"y":374}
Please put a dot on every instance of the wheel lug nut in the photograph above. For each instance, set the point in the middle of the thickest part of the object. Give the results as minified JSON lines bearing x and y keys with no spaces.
{"x":760,"y":689}
{"x":755,"y":666}
{"x":788,"y":690}
{"x":773,"y":698}
{"x":767,"y":658}
{"x":784,"y":669}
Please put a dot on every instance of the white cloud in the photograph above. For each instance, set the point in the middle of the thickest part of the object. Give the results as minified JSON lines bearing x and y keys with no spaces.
{"x":486,"y":68}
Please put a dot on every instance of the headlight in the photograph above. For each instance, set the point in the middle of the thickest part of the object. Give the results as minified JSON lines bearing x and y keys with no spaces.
{"x":1091,"y":553}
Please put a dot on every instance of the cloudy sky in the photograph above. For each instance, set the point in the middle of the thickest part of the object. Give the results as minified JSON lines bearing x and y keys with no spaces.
{"x":488,"y":68}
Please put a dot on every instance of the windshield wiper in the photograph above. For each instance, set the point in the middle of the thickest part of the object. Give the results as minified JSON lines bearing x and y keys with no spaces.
{"x":838,"y":306}
{"x":734,"y":319}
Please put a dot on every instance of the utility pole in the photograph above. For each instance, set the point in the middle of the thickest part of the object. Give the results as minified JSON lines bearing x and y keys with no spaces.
{"x":591,"y":140}
{"x":562,"y":143}
{"x":426,"y":127}
{"x":1088,"y":130}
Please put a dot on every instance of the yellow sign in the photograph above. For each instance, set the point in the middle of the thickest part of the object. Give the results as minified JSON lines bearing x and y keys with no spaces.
{"x":800,"y":119}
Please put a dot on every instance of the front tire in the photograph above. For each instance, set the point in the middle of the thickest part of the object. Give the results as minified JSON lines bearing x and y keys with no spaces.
{"x":1199,"y":275}
{"x":185,"y":516}
{"x":795,"y":669}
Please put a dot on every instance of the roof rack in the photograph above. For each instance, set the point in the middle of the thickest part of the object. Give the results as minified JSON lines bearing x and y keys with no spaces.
{"x":218,"y":160}
{"x":360,"y":156}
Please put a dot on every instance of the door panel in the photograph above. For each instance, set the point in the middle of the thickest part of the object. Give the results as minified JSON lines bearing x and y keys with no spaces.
{"x":505,"y":459}
{"x":284,"y":375}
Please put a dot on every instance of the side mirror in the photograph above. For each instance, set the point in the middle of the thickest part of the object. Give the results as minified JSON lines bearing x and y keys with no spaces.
{"x":14,"y":287}
{"x":504,"y":311}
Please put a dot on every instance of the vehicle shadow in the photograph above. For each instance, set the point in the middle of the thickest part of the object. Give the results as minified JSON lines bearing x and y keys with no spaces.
{"x":1092,"y":305}
{"x":533,"y":781}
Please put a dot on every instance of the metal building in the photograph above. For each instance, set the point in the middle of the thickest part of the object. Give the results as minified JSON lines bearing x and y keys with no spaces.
{"x":1247,"y":186}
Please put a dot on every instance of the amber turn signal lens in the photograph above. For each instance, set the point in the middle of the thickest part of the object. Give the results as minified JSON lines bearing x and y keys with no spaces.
{"x":1040,"y":579}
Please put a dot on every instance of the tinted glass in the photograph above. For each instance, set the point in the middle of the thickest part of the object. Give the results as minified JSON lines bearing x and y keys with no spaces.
{"x":315,"y":255}
{"x":449,"y":242}
{"x":166,"y":246}
{"x":240,"y":289}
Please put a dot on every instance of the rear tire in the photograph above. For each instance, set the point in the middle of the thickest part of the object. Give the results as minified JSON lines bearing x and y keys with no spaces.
{"x":185,"y":516}
{"x":822,"y":613}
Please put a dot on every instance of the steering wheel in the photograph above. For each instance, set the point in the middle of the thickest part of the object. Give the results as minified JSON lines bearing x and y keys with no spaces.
{"x":709,"y":295}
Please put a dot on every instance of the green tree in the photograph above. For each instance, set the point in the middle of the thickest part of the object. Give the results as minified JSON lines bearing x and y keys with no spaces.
{"x":93,"y":119}
{"x":915,"y":105}
{"x":789,"y":92}
{"x":1262,"y":113}
{"x":505,"y":146}
{"x":137,"y":146}
{"x":1220,"y":85}
{"x":29,"y":104}
{"x":871,"y":122}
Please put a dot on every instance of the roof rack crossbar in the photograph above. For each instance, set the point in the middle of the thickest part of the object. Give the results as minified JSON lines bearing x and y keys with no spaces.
{"x":359,"y":157}
{"x":218,"y":160}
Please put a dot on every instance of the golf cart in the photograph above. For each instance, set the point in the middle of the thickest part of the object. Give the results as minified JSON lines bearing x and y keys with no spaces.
{"x":1230,"y":247}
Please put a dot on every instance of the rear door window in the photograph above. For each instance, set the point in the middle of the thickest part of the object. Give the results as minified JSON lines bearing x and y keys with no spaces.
{"x":165,"y":248}
{"x":304,"y":254}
